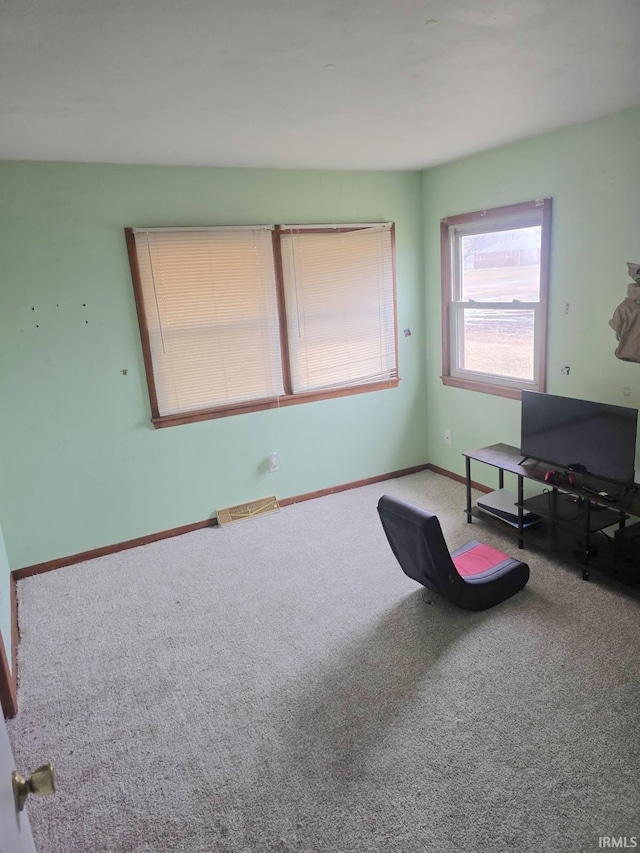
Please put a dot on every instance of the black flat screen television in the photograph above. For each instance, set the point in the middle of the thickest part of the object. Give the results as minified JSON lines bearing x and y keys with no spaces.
{"x":597,"y":439}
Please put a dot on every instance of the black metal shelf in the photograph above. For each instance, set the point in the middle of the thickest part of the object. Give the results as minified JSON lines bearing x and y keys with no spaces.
{"x":573,"y":511}
{"x":577,"y":507}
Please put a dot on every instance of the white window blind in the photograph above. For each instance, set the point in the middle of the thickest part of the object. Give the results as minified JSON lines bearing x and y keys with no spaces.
{"x":211,"y":310}
{"x":339,"y":294}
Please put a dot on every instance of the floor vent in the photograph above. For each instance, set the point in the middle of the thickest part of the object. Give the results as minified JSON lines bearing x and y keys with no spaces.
{"x":243,"y":512}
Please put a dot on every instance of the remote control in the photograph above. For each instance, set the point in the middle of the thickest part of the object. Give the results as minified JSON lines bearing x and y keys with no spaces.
{"x":604,"y":495}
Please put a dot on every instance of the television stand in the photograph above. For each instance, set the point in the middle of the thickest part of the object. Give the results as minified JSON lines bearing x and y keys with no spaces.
{"x":581,"y":508}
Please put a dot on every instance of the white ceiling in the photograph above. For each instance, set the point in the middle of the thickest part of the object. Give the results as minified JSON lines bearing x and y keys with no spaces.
{"x":364,"y":84}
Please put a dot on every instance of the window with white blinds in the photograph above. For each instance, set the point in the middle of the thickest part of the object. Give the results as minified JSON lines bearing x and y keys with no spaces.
{"x":211,"y":313}
{"x":244,"y":318}
{"x":340,"y":306}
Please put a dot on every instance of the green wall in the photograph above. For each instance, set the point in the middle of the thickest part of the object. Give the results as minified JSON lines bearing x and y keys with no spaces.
{"x":81,"y":465}
{"x":592,"y":172}
{"x":5,"y":601}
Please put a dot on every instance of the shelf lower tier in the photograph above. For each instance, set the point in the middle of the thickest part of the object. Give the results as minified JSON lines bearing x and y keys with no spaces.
{"x":567,"y":542}
{"x":570,"y":511}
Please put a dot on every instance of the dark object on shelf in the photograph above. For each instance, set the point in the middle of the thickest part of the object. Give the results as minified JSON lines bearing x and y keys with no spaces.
{"x":626,"y":544}
{"x":606,"y":496}
{"x":572,"y":512}
{"x":592,"y":438}
{"x":503,"y":504}
{"x":474,"y":576}
{"x":560,"y":478}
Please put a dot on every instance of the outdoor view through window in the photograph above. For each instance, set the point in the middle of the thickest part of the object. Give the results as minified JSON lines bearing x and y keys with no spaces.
{"x":502,"y":266}
{"x":494,"y":298}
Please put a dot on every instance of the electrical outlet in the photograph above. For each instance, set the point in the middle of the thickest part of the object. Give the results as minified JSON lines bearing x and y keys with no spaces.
{"x":447,"y":437}
{"x":274,"y":463}
{"x":626,"y":391}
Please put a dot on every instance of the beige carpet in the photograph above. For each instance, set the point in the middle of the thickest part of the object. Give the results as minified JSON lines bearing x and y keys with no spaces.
{"x":280,"y":685}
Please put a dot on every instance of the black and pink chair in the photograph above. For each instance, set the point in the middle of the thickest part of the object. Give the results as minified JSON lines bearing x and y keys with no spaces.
{"x":474,"y":576}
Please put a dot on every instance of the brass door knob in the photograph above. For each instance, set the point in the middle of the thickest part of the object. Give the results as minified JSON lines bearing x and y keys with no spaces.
{"x":41,"y":783}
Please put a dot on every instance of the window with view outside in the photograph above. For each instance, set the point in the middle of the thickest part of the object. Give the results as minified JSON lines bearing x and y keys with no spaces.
{"x":501,"y":266}
{"x":494,"y":279}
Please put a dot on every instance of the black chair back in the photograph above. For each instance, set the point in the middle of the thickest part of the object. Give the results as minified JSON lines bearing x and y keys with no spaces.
{"x":416,"y":539}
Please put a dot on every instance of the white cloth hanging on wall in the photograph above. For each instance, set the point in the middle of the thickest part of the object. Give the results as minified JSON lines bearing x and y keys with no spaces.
{"x":626,"y":319}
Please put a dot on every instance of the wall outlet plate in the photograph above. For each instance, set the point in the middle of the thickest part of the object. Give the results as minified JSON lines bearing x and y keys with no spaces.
{"x":274,"y":462}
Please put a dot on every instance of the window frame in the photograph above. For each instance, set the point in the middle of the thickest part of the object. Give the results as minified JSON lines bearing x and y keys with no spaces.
{"x":289,"y":398}
{"x":504,"y":218}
